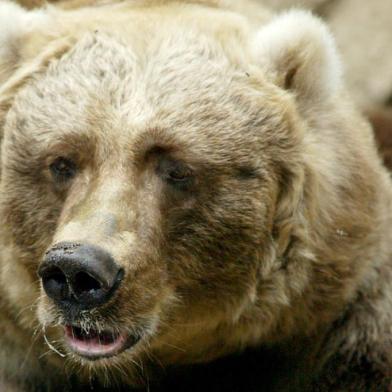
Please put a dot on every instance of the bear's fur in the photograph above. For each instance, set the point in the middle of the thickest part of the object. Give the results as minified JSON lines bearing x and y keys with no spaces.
{"x":277,"y":246}
{"x":381,"y":120}
{"x":363,"y":34}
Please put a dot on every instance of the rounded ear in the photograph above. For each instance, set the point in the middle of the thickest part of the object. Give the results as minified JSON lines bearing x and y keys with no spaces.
{"x":16,"y":24}
{"x":298,"y":52}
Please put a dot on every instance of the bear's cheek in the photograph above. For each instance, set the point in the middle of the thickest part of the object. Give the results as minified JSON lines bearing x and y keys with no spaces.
{"x":144,"y":296}
{"x":30,"y":215}
{"x":212,"y":251}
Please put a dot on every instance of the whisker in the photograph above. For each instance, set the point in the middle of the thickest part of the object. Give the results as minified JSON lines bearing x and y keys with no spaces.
{"x":52,"y":347}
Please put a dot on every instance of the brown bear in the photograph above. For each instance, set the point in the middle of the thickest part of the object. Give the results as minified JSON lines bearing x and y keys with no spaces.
{"x":187,"y":191}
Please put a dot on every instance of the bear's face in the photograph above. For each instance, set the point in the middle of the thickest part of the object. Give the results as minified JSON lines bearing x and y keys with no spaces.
{"x":176,"y":176}
{"x":175,"y":159}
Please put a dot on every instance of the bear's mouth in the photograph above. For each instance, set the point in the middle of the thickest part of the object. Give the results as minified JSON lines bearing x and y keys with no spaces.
{"x":97,"y":344}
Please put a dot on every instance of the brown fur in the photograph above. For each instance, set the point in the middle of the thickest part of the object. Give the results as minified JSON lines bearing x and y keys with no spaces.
{"x":280,"y":240}
{"x":381,"y":120}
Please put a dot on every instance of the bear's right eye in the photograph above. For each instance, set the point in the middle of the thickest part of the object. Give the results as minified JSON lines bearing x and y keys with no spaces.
{"x":62,"y":169}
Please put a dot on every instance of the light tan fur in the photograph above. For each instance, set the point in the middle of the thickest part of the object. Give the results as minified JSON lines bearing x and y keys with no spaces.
{"x":285,"y":232}
{"x":363,"y":33}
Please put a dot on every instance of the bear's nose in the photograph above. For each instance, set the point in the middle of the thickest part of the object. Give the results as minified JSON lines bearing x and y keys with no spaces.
{"x":79,"y":274}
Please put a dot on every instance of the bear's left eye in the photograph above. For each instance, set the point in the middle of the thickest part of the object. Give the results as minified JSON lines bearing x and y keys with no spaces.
{"x":176,"y":173}
{"x":179,"y":174}
{"x":62,"y":169}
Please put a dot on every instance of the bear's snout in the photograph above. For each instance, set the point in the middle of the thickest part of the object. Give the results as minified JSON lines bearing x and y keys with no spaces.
{"x":79,"y":275}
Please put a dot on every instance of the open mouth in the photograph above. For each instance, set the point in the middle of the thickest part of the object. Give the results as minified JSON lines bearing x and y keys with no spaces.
{"x":95,"y":345}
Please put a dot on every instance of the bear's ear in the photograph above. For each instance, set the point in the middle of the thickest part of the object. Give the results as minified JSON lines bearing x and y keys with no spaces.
{"x":298,"y":52}
{"x":16,"y":24}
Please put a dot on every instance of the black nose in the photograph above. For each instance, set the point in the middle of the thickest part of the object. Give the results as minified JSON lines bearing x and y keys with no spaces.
{"x":79,"y":274}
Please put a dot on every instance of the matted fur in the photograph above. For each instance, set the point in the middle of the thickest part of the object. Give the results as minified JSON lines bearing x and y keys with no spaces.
{"x":283,"y":236}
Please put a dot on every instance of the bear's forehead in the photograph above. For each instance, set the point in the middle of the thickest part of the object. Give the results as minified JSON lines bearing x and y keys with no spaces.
{"x":189,"y":85}
{"x":163,"y":75}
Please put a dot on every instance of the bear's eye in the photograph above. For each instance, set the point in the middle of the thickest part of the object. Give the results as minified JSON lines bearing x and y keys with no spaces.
{"x":62,"y":169}
{"x":179,"y":174}
{"x":175,"y":173}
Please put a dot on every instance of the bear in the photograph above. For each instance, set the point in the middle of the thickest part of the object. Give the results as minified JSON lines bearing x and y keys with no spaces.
{"x":189,"y":200}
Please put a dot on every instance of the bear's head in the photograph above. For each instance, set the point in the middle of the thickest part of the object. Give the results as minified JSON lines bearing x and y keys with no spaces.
{"x":184,"y":184}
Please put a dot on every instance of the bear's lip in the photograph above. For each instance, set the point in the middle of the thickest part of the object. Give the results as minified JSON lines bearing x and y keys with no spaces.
{"x":97,"y":344}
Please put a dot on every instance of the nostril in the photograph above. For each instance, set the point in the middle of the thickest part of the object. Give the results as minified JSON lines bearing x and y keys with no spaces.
{"x":79,"y":276}
{"x":84,"y":283}
{"x":55,"y":283}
